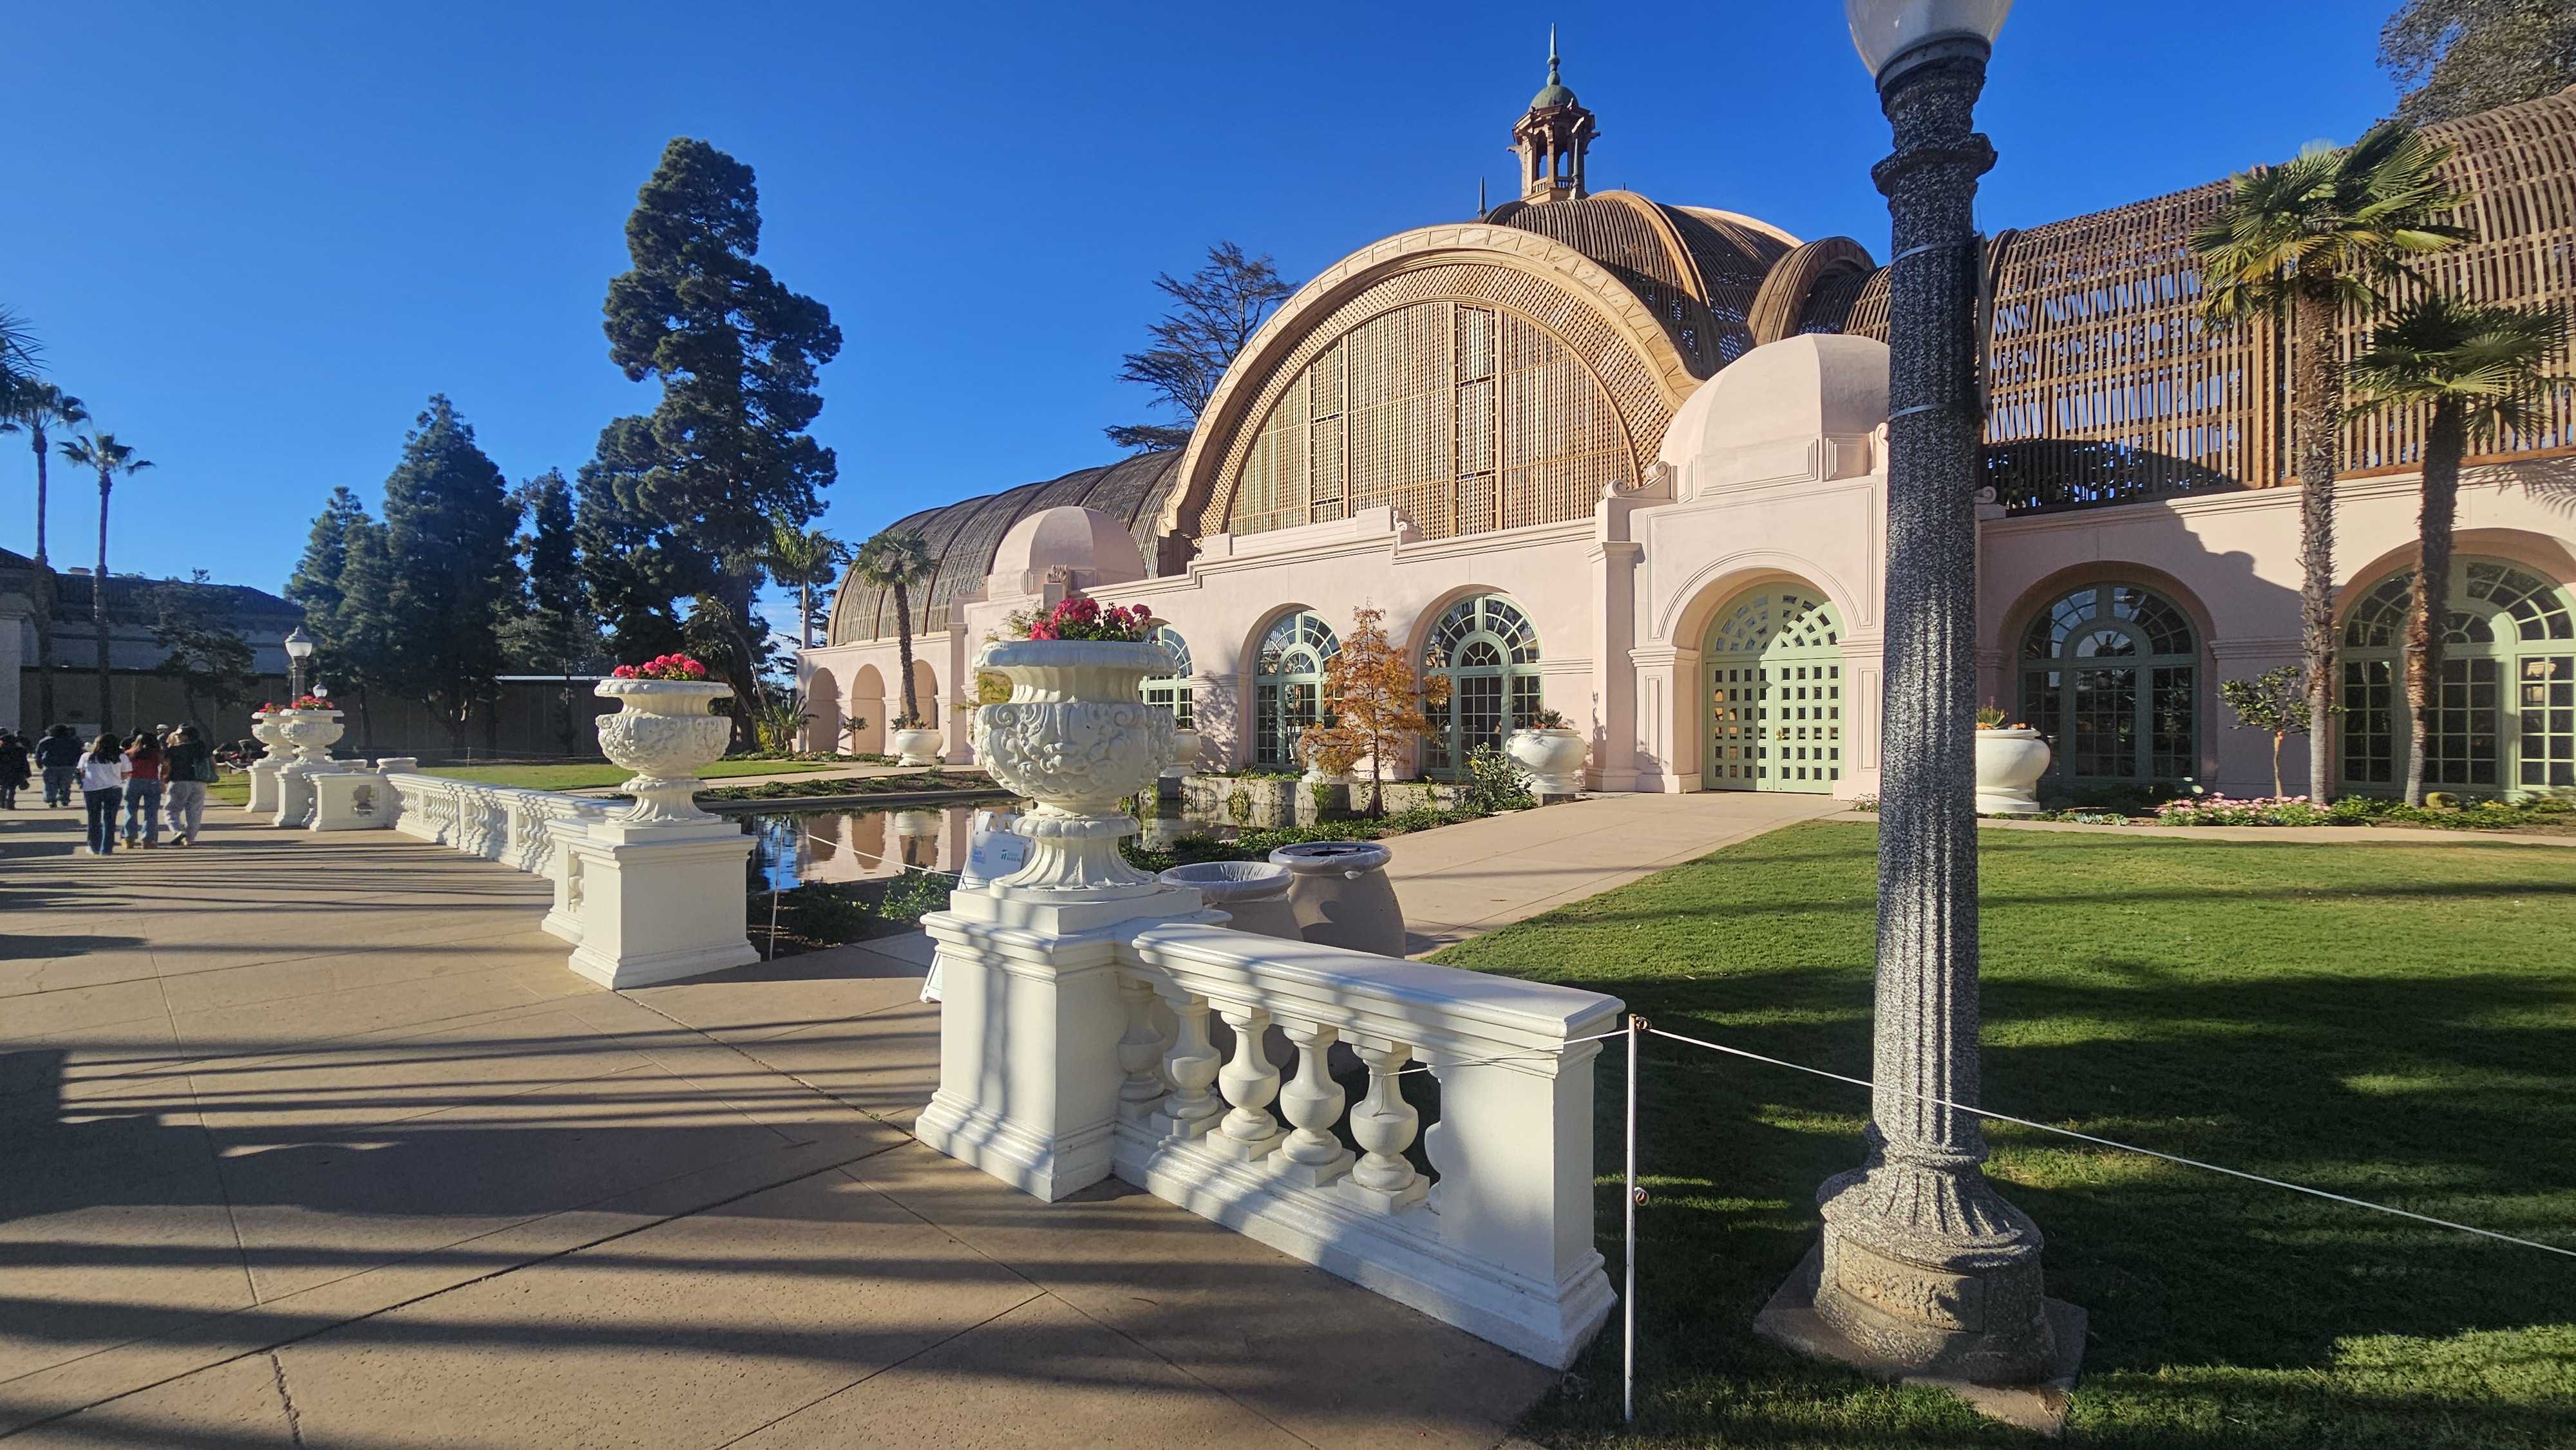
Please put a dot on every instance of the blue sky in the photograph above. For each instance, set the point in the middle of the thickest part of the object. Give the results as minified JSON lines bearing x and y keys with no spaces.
{"x":256,"y":238}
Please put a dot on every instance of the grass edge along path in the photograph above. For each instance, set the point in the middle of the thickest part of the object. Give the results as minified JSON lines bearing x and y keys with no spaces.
{"x":2394,"y":1021}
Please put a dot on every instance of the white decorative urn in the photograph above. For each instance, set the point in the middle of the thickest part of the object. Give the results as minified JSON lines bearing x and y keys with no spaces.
{"x":663,"y":732}
{"x":2010,"y":762}
{"x":1553,"y":756}
{"x":1075,"y":738}
{"x":312,"y":733}
{"x":268,"y":727}
{"x":916,"y":746}
{"x":1185,"y":752}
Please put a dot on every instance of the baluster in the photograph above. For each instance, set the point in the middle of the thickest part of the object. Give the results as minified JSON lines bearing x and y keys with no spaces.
{"x":1249,"y":1131}
{"x":1313,"y":1102}
{"x":1140,"y":1049}
{"x":1191,"y":1064}
{"x":1384,"y":1124}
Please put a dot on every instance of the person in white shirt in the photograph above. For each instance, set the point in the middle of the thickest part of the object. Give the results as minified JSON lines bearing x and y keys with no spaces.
{"x":102,"y":782}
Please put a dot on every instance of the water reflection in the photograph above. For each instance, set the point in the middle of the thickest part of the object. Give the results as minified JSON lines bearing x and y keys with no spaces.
{"x":872,"y":845}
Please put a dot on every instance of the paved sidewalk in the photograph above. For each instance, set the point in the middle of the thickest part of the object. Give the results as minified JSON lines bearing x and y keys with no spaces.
{"x":1461,"y":881}
{"x":313,"y":1140}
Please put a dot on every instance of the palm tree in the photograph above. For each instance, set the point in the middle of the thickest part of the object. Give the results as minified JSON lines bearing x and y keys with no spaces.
{"x":110,"y":458}
{"x":2478,"y":368}
{"x":2314,"y":234}
{"x":803,"y":558}
{"x":898,"y":561}
{"x":39,"y":407}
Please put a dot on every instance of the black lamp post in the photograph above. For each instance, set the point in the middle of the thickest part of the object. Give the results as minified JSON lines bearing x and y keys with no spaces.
{"x":299,"y":648}
{"x":1925,"y":1269}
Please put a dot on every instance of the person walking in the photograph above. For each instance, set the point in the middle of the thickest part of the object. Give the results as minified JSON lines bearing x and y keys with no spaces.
{"x":102,"y":782}
{"x":143,"y":779}
{"x":13,"y":769}
{"x":58,"y":756}
{"x":188,"y":766}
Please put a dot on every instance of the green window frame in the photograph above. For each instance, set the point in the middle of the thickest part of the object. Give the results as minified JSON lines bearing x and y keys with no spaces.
{"x":1771,"y":683}
{"x":1288,"y":686}
{"x":2111,"y":676}
{"x":2504,"y":705}
{"x":1174,"y":692}
{"x":1488,"y":650}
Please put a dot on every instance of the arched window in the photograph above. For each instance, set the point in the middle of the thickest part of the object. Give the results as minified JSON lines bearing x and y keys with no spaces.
{"x":2504,"y":702}
{"x":2111,"y":674}
{"x":1173,"y":692}
{"x":1489,"y":652}
{"x":1288,"y":686}
{"x":1771,"y":670}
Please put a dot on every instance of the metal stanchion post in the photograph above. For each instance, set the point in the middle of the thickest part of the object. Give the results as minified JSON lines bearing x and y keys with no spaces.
{"x":1628,"y":1299}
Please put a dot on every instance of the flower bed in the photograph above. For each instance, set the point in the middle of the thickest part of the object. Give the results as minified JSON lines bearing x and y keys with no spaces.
{"x":2270,"y":810}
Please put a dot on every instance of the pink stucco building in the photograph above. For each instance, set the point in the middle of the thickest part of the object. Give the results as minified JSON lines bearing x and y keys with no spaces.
{"x":1626,"y":460}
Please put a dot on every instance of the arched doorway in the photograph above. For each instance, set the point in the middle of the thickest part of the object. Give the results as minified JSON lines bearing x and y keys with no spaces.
{"x":1772,"y":675}
{"x":867,"y":705}
{"x":1489,"y":651}
{"x":822,"y":711}
{"x":1288,"y":686}
{"x":2111,"y":675}
{"x":925,"y":690}
{"x":1173,"y":692}
{"x":2504,"y":714}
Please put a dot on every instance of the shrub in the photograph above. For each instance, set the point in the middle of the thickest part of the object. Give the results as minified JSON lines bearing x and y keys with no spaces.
{"x":1493,"y":783}
{"x":2220,"y":810}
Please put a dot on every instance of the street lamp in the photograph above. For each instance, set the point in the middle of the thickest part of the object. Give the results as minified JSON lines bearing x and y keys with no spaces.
{"x":299,"y":648}
{"x":1925,"y":1269}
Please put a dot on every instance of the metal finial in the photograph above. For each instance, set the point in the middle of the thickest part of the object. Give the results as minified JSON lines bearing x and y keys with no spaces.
{"x":1551,"y":52}
{"x":1480,"y":199}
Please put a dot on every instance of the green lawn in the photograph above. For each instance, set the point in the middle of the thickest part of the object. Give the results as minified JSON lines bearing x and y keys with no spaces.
{"x":2392,"y":1021}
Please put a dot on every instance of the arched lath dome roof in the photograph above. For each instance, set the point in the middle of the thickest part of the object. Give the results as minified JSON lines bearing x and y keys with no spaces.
{"x":964,"y":535}
{"x":1696,"y":268}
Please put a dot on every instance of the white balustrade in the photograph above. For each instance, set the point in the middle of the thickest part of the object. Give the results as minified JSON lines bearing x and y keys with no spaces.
{"x":502,"y":823}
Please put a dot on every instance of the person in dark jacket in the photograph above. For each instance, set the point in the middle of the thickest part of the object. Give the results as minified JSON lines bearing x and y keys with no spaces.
{"x":13,"y":769}
{"x":190,"y":765}
{"x":58,"y":755}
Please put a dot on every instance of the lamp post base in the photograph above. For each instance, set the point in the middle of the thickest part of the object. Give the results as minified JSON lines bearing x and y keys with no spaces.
{"x":1795,"y":1321}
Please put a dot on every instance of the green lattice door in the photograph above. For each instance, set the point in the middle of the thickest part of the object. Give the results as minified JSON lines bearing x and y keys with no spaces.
{"x":1772,"y":673}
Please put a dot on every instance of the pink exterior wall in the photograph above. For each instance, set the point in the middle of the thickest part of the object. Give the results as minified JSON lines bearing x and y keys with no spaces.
{"x":1773,"y":471}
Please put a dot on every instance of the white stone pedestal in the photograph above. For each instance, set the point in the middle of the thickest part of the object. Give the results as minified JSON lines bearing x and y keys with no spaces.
{"x":654,"y":902}
{"x":294,"y":797}
{"x":351,"y":800}
{"x":263,"y":787}
{"x":1028,"y":1018}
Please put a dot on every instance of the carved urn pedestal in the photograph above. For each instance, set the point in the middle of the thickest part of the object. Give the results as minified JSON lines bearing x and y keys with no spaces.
{"x":1029,"y":977}
{"x":312,"y":733}
{"x":268,"y":727}
{"x":657,"y":887}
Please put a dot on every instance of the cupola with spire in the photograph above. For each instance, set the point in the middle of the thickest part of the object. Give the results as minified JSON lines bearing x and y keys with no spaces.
{"x":1552,"y":138}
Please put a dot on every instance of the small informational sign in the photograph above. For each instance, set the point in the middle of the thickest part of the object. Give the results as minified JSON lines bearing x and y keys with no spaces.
{"x":994,"y":854}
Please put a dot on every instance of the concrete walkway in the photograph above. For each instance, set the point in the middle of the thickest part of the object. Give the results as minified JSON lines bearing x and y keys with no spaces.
{"x":313,"y":1140}
{"x":1461,"y":881}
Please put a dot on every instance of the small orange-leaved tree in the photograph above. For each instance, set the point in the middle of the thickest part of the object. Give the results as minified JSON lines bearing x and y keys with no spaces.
{"x":1373,"y":701}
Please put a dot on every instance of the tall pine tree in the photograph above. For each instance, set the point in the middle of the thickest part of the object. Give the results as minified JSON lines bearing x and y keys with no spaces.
{"x":625,"y":574}
{"x":316,"y":581}
{"x":736,"y":354}
{"x":448,"y":527}
{"x":364,"y":648}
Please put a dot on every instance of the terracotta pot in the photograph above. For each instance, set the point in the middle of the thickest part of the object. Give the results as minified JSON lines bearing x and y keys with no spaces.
{"x":663,"y":732}
{"x":2009,"y":765}
{"x":1553,"y":757}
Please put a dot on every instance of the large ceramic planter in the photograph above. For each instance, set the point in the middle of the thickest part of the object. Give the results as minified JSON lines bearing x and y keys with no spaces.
{"x":1185,"y":753}
{"x":916,"y":747}
{"x":1075,"y":738}
{"x":663,"y":732}
{"x":1341,"y":897}
{"x":1553,"y":758}
{"x":2009,"y":765}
